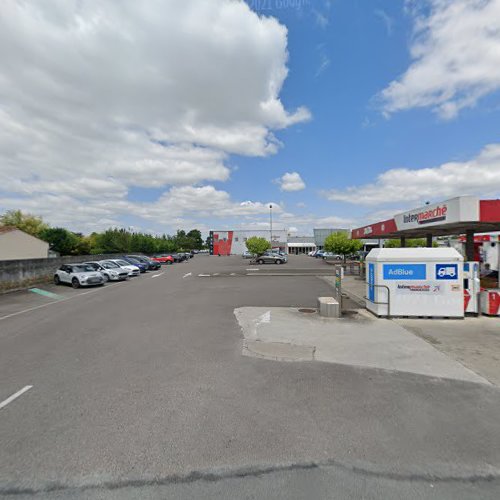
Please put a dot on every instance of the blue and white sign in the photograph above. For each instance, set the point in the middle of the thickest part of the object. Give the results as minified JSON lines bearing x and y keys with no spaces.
{"x":371,"y":281}
{"x":446,"y":271}
{"x":405,"y":272}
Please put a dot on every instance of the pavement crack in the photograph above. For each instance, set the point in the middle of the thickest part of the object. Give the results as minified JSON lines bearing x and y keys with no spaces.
{"x":255,"y":471}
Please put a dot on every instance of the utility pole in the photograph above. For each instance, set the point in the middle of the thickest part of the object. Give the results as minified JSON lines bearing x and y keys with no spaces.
{"x":271,"y":226}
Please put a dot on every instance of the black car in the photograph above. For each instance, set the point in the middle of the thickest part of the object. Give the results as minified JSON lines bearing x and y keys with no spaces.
{"x":152,"y":265}
{"x":179,"y":257}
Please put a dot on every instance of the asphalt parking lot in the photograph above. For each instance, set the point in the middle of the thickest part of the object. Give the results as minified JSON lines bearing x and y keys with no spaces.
{"x":139,"y":390}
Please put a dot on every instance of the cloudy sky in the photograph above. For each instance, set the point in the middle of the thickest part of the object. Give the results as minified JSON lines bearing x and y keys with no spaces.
{"x":166,"y":114}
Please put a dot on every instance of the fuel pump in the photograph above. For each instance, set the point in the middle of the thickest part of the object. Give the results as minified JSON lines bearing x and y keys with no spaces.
{"x":472,"y":287}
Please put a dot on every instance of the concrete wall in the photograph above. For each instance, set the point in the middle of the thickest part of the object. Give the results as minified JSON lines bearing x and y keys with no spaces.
{"x":19,"y":245}
{"x":19,"y":274}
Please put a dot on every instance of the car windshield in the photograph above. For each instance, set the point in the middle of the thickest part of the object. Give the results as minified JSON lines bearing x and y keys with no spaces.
{"x":123,"y":263}
{"x":83,"y":268}
{"x":110,"y":265}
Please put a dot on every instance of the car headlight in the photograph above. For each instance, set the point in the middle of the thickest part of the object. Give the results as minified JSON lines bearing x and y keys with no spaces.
{"x":83,"y":278}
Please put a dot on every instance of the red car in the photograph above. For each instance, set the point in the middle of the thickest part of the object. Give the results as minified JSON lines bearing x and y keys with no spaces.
{"x":163,"y":259}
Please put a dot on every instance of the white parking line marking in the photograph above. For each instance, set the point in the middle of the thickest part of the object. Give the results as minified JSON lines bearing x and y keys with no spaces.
{"x":3,"y":404}
{"x":253,"y":269}
{"x":203,"y":274}
{"x":186,"y":275}
{"x":156,"y":275}
{"x":64,"y":299}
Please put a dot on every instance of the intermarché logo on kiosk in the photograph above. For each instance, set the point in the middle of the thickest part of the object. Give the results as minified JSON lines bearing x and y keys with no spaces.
{"x":427,"y":216}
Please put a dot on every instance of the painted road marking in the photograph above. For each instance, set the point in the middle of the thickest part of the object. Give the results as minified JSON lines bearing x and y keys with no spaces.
{"x":63,"y":299}
{"x":45,"y":293}
{"x":253,"y":269}
{"x":156,"y":275}
{"x":232,"y":274}
{"x":3,"y":404}
{"x":203,"y":274}
{"x":186,"y":275}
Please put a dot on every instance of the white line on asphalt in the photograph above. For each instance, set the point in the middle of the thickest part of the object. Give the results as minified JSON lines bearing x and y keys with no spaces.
{"x":3,"y":404}
{"x":186,"y":275}
{"x":107,"y":287}
{"x":156,"y":275}
{"x":203,"y":274}
{"x":253,"y":269}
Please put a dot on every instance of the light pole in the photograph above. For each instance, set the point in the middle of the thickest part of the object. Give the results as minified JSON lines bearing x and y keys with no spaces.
{"x":271,"y":226}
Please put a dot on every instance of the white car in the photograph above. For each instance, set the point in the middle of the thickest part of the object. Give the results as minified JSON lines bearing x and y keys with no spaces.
{"x":132,"y":270}
{"x":78,"y":275}
{"x":109,"y":270}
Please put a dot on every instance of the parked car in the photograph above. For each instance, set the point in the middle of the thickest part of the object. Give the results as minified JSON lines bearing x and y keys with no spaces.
{"x":248,"y":255}
{"x":319,"y":254}
{"x":132,"y":269}
{"x":179,"y":257}
{"x":142,"y":267}
{"x":271,"y":258}
{"x":150,"y":263}
{"x":78,"y":275}
{"x":109,"y":270}
{"x":163,"y":259}
{"x":332,"y":256}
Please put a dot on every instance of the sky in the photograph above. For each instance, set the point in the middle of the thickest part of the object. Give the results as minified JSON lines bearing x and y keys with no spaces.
{"x":168,"y":114}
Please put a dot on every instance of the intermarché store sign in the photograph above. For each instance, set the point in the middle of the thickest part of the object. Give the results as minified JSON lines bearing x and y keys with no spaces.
{"x":461,"y":209}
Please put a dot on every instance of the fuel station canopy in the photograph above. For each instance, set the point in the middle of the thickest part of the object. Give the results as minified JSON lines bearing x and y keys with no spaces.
{"x":461,"y":215}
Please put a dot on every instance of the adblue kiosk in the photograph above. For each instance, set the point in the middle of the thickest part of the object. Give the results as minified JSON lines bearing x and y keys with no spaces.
{"x":415,"y":282}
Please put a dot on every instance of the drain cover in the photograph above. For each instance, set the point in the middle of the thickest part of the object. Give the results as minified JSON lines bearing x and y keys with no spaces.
{"x":305,"y":310}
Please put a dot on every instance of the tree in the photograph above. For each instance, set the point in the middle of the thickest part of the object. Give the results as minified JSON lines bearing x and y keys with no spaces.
{"x":257,"y":245}
{"x":61,"y":240}
{"x":410,"y":243}
{"x":196,"y":240}
{"x":28,"y":223}
{"x":341,"y":244}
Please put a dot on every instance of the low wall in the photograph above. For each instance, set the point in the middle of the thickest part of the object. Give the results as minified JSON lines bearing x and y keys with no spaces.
{"x":20,"y":274}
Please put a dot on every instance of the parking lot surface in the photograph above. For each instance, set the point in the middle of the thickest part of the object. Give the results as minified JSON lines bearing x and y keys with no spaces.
{"x":139,"y":390}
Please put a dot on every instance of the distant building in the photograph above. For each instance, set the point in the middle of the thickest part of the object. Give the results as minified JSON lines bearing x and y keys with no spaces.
{"x":16,"y":244}
{"x":234,"y":242}
{"x":298,"y":245}
{"x":321,"y":234}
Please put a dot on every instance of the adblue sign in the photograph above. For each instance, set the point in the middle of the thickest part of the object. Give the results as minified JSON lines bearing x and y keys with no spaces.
{"x":405,"y":271}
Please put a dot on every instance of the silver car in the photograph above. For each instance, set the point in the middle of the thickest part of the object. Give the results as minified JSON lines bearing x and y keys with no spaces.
{"x":78,"y":275}
{"x":131,"y":269}
{"x":271,"y":258}
{"x":109,"y":270}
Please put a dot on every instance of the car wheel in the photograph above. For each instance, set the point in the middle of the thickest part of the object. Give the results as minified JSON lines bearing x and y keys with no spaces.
{"x":279,"y":262}
{"x":75,"y":283}
{"x":57,"y":281}
{"x":260,"y":261}
{"x":169,"y":262}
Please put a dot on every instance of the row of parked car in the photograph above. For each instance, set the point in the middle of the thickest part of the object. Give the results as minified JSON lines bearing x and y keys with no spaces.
{"x":98,"y":272}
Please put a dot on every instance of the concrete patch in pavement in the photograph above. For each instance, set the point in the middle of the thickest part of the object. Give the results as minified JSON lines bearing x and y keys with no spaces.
{"x":358,"y":342}
{"x":279,"y":351}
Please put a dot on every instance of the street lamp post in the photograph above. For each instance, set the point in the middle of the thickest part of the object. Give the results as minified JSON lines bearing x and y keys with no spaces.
{"x":271,"y":226}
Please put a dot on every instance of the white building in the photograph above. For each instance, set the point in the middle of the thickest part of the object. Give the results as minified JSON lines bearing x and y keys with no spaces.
{"x":16,"y":244}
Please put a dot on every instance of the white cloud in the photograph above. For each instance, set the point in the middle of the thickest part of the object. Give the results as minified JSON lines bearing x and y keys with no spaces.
{"x":291,"y":181}
{"x":98,"y":97}
{"x":456,"y":56}
{"x":386,"y":19}
{"x":480,"y":175}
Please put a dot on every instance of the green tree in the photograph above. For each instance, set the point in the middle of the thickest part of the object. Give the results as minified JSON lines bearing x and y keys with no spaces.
{"x":61,"y":240}
{"x":257,"y":245}
{"x":28,"y":223}
{"x":341,"y":244}
{"x":112,"y":241}
{"x":410,"y":243}
{"x":196,"y":240}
